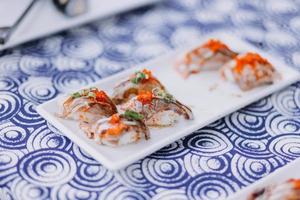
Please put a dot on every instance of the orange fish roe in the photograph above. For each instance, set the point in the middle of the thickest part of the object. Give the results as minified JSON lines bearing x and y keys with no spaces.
{"x":117,"y":129}
{"x":145,"y":97}
{"x":249,"y":59}
{"x":215,"y":45}
{"x":147,"y":72}
{"x":118,"y":126}
{"x":149,"y":77}
{"x":114,"y":119}
{"x":295,"y":183}
{"x":101,"y":96}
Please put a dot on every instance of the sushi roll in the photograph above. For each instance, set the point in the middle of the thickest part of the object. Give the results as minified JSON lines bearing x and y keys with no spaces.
{"x":248,"y":71}
{"x":118,"y":129}
{"x":158,"y":107}
{"x":289,"y":190}
{"x":140,"y":81}
{"x":88,"y":105}
{"x":210,"y":56}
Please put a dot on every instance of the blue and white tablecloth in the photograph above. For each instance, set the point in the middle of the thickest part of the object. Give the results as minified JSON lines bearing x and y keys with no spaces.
{"x":38,"y":162}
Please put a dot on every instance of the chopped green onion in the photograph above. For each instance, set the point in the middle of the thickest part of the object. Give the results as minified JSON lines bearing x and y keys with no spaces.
{"x":129,"y":114}
{"x":138,"y":77}
{"x":163,"y":94}
{"x":76,"y":95}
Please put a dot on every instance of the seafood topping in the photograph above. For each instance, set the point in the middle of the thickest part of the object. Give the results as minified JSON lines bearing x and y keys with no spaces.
{"x":117,"y":129}
{"x":140,"y":81}
{"x":142,"y":76}
{"x":249,"y":70}
{"x":88,"y":105}
{"x":210,"y":56}
{"x":158,"y":108}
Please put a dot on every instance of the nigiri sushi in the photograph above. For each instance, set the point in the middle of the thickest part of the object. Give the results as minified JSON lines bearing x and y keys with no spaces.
{"x":249,"y":70}
{"x":158,"y":107}
{"x":118,"y":129}
{"x":289,"y":190}
{"x":140,"y":81}
{"x":210,"y":56}
{"x":88,"y":105}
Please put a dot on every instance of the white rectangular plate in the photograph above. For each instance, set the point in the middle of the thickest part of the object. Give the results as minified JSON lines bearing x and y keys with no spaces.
{"x":207,"y":105}
{"x":44,"y":19}
{"x":289,"y":171}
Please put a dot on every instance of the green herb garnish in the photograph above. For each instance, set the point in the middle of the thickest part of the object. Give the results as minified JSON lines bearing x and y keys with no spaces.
{"x":129,"y":114}
{"x":138,"y":77}
{"x":85,"y":92}
{"x":163,"y":95}
{"x":76,"y":95}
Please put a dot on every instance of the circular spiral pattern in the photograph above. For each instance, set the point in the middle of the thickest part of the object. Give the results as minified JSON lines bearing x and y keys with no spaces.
{"x":280,"y":7}
{"x":68,"y":81}
{"x":46,"y":47}
{"x":165,"y":173}
{"x":170,"y":194}
{"x":64,"y":63}
{"x":81,"y":155}
{"x":147,"y":35}
{"x":252,"y":148}
{"x":36,"y":66}
{"x":259,"y":108}
{"x":27,"y":116}
{"x":23,"y":190}
{"x":244,"y":16}
{"x":150,"y":50}
{"x":295,"y":24}
{"x":43,"y":138}
{"x":119,"y":192}
{"x":91,"y":178}
{"x":47,"y":167}
{"x":195,"y":164}
{"x":248,"y":170}
{"x":277,"y":124}
{"x":121,"y":52}
{"x":181,"y":36}
{"x":280,"y":40}
{"x":8,"y":165}
{"x":133,"y":177}
{"x":68,"y":192}
{"x":87,"y":47}
{"x":6,"y":193}
{"x":208,"y":142}
{"x":10,"y":105}
{"x":174,"y":150}
{"x":104,"y":67}
{"x":9,"y":64}
{"x":12,"y":136}
{"x":9,"y":83}
{"x":246,"y":126}
{"x":37,"y":90}
{"x":287,"y":101}
{"x":211,"y":186}
{"x":286,"y":146}
{"x":114,"y":32}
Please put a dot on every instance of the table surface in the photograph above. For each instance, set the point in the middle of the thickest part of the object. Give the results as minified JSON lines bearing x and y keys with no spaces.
{"x":38,"y":162}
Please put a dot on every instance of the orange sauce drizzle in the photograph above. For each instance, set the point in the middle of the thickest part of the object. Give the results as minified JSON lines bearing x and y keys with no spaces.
{"x":145,"y":97}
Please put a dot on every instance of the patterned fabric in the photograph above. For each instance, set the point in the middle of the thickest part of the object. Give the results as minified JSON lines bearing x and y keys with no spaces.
{"x":38,"y":162}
